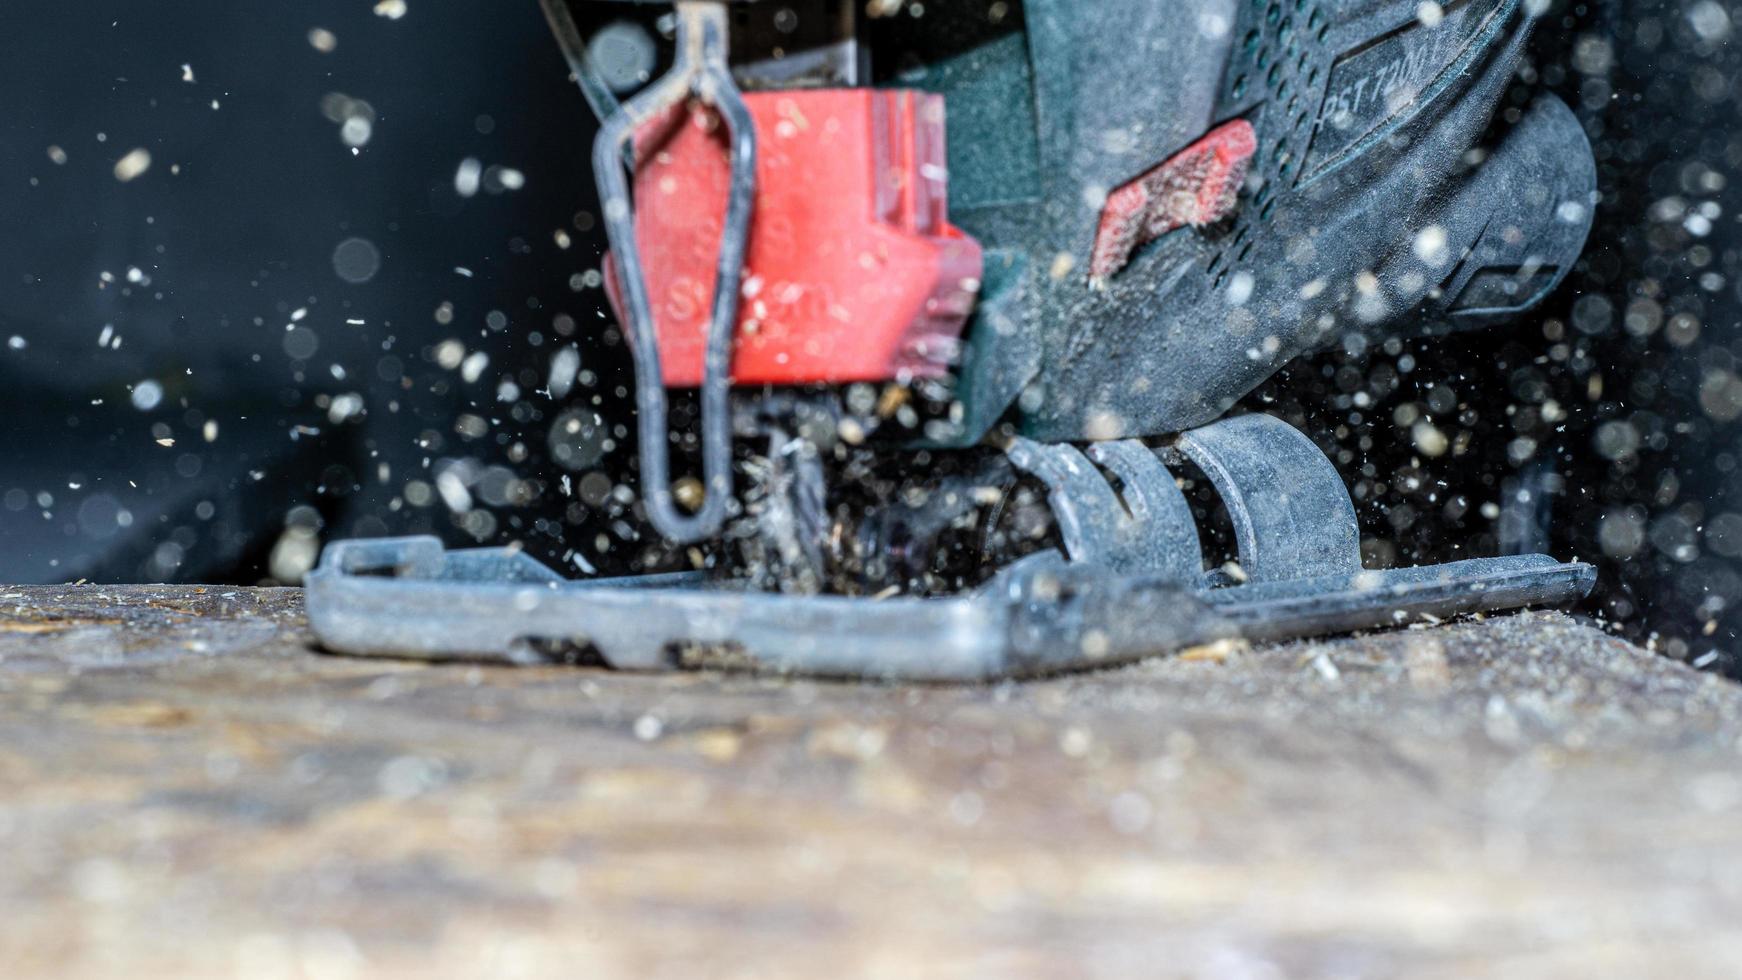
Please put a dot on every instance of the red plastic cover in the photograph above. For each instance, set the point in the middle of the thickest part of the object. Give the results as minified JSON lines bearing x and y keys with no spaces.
{"x":853,"y":271}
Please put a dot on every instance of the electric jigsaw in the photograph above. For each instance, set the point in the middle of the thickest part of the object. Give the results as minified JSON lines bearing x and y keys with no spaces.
{"x":959,"y":296}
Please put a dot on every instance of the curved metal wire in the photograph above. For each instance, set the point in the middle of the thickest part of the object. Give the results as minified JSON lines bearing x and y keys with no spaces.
{"x":574,"y":48}
{"x":700,"y":70}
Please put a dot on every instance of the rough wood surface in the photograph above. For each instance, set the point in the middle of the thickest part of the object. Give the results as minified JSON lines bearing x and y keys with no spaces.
{"x":187,"y":790}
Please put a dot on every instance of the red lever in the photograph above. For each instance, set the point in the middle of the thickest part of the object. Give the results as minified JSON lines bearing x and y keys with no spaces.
{"x":1196,"y":186}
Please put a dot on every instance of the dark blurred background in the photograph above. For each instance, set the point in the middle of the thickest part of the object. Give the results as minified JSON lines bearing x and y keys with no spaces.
{"x":327,"y":306}
{"x":280,"y":273}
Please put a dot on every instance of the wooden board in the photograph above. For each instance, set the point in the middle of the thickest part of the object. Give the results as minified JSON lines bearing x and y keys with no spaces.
{"x":188,"y":790}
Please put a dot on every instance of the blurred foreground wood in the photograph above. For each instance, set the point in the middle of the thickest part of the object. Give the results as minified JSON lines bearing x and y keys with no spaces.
{"x":188,"y":790}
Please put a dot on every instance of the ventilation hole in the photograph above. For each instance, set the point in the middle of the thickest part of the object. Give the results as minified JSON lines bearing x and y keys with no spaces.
{"x":1240,"y":86}
{"x":1264,"y":212}
{"x":574,"y":652}
{"x":1215,"y":529}
{"x":724,"y":655}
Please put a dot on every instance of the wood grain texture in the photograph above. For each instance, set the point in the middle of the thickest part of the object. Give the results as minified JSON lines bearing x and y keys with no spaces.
{"x":188,"y":790}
